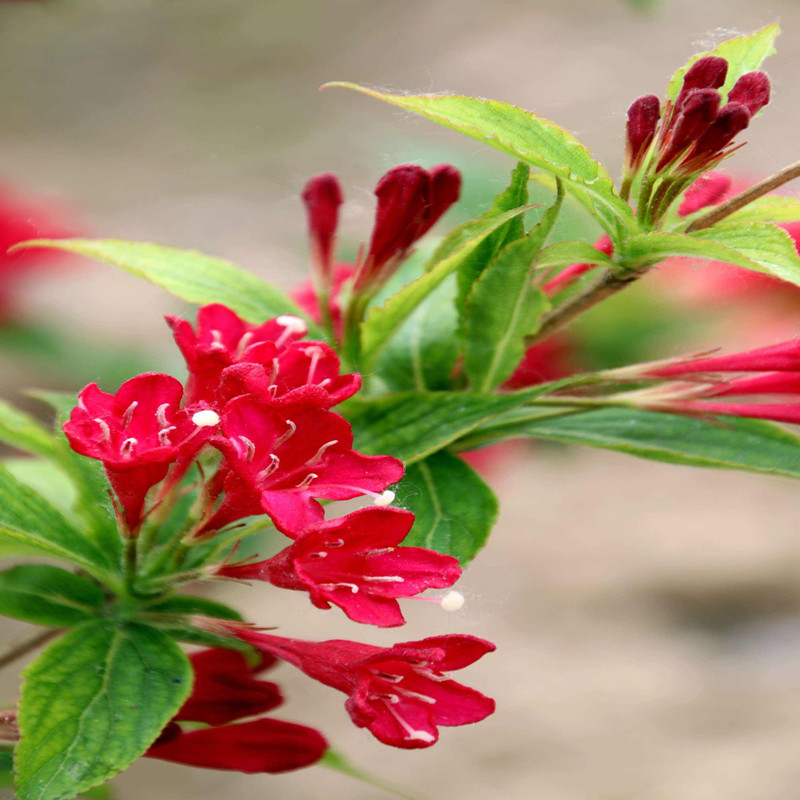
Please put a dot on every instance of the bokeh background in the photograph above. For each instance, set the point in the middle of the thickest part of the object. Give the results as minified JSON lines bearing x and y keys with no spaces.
{"x":647,"y":617}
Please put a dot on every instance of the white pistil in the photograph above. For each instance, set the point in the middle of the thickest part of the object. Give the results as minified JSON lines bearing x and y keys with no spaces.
{"x":306,"y":482}
{"x":411,"y":733}
{"x":105,"y":431}
{"x":330,"y":586}
{"x":249,"y":448}
{"x":291,"y":326}
{"x":205,"y":418}
{"x":384,"y":578}
{"x":163,"y":435}
{"x":161,"y":415}
{"x":313,"y":353}
{"x":128,"y":415}
{"x":317,"y":457}
{"x":275,"y":462}
{"x":452,"y":601}
{"x":127,"y":448}
{"x":284,"y":437}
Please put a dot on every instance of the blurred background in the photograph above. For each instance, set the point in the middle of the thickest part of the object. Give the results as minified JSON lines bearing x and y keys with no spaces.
{"x":647,"y":617}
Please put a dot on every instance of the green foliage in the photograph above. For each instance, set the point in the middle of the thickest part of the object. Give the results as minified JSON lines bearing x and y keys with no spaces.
{"x":92,"y":703}
{"x":23,"y":432}
{"x":743,"y":54}
{"x":192,"y":276}
{"x":455,"y":510}
{"x":47,"y":595}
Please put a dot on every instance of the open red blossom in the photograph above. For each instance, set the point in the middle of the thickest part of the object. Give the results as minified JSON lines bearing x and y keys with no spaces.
{"x":261,"y":745}
{"x":222,"y":338}
{"x":356,"y":563}
{"x":280,"y":459}
{"x":401,"y":693}
{"x":301,"y":373}
{"x":137,"y":433}
{"x":224,"y":688}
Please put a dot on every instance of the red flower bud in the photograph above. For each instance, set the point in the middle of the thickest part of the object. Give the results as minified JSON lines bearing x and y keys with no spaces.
{"x":445,"y":190}
{"x":708,"y":72}
{"x":643,"y":116}
{"x":322,"y":197}
{"x":695,"y":115}
{"x":751,"y":90}
{"x":730,"y":122}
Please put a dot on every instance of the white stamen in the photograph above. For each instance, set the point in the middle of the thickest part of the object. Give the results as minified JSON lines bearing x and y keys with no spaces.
{"x":205,"y":418}
{"x":105,"y":430}
{"x":127,"y":416}
{"x":306,"y":482}
{"x":265,"y":473}
{"x":384,"y":498}
{"x":330,"y":586}
{"x":216,"y":343}
{"x":163,"y":435}
{"x":127,"y":448}
{"x":335,"y":543}
{"x":276,"y":368}
{"x":273,"y":390}
{"x":411,"y":733}
{"x":317,"y":457}
{"x":427,"y":672}
{"x":244,"y":342}
{"x":384,"y":578}
{"x":161,"y":415}
{"x":319,"y":554}
{"x":416,"y":695}
{"x":314,"y":353}
{"x":380,"y":551}
{"x":285,"y":436}
{"x":325,"y":382}
{"x":452,"y":601}
{"x":385,"y":676}
{"x":249,"y":447}
{"x":291,"y":325}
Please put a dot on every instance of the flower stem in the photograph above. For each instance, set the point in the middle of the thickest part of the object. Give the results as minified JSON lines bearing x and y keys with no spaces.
{"x":11,"y":654}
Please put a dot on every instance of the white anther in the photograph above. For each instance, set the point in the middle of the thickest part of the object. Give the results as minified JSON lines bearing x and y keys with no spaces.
{"x":386,"y":676}
{"x":306,"y":482}
{"x":105,"y":430}
{"x":127,"y":447}
{"x":318,"y":554}
{"x":384,"y":578}
{"x":286,"y":435}
{"x":273,"y":390}
{"x":249,"y":448}
{"x":387,"y":698}
{"x":163,"y":435}
{"x":325,"y":382}
{"x":244,"y":343}
{"x":314,"y":353}
{"x":452,"y":601}
{"x":330,"y":586}
{"x":216,"y":343}
{"x":205,"y":418}
{"x":317,"y":457}
{"x":384,"y":498}
{"x":335,"y":543}
{"x":276,"y":368}
{"x":291,"y":325}
{"x":380,"y":551}
{"x":128,"y":415}
{"x":161,"y":415}
{"x":427,"y":672}
{"x":416,"y":695}
{"x":275,"y":462}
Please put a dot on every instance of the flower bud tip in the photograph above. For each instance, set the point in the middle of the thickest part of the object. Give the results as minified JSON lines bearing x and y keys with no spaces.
{"x":293,"y":324}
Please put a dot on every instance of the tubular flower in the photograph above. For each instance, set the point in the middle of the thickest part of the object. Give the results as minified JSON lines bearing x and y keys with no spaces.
{"x":222,"y":338}
{"x":322,"y":198}
{"x":401,"y":693}
{"x":137,"y":433}
{"x":284,"y":458}
{"x":356,"y":563}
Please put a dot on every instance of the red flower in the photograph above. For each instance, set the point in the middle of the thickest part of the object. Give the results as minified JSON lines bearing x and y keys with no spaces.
{"x":306,"y":297}
{"x":401,"y":693}
{"x":137,"y":434}
{"x":280,"y":459}
{"x":356,"y":563}
{"x":223,"y":338}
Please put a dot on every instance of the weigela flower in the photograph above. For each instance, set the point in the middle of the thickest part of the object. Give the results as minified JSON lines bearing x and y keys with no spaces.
{"x":401,"y":693}
{"x":222,"y":338}
{"x":281,"y":459}
{"x":355,"y":562}
{"x":137,"y":433}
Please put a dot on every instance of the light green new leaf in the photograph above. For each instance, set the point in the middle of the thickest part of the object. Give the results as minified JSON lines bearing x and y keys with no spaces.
{"x":382,"y":321}
{"x":756,"y":245}
{"x":24,"y":432}
{"x":514,"y":196}
{"x":455,"y":510}
{"x":504,"y":307}
{"x":47,"y":595}
{"x":187,"y":274}
{"x":92,"y":703}
{"x":769,"y":208}
{"x":525,"y":136}
{"x":743,"y":54}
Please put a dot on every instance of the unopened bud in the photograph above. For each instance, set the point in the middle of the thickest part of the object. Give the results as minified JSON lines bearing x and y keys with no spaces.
{"x":643,"y":116}
{"x":752,"y":90}
{"x":694,"y":118}
{"x":731,"y":121}
{"x":708,"y":72}
{"x":445,"y":190}
{"x":322,"y":197}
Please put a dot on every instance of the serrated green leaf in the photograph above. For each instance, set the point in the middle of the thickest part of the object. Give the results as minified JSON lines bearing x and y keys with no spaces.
{"x":527,"y":137}
{"x":412,"y":425}
{"x":504,"y":307}
{"x":190,"y":275}
{"x":455,"y":510}
{"x":46,"y":595}
{"x":383,"y":321}
{"x":514,"y":196}
{"x":743,"y":54}
{"x":769,"y":208}
{"x":754,"y":245}
{"x":24,"y":432}
{"x":724,"y":443}
{"x":28,"y":518}
{"x":92,"y":703}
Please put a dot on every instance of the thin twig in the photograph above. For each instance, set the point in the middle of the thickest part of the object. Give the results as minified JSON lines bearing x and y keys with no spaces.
{"x":26,"y":646}
{"x":744,"y":198}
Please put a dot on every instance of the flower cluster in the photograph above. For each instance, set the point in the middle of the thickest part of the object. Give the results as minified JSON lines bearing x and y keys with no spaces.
{"x":254,"y":422}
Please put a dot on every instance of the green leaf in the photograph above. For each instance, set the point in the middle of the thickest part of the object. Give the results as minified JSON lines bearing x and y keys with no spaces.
{"x":28,"y":518}
{"x":192,"y":276}
{"x":769,"y":208}
{"x":92,"y":703}
{"x":47,"y":595}
{"x":455,"y":510}
{"x":756,"y":245}
{"x":504,"y":307}
{"x":412,"y":425}
{"x":382,"y":321}
{"x":514,"y":196}
{"x":743,"y":54}
{"x":165,"y":616}
{"x":724,"y":443}
{"x":521,"y":134}
{"x":24,"y":432}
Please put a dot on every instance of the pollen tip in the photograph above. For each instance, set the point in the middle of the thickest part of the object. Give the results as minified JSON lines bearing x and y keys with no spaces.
{"x":206,"y":418}
{"x":293,"y":324}
{"x":384,"y":498}
{"x":452,"y":601}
